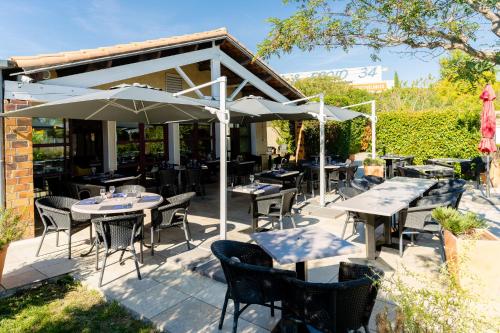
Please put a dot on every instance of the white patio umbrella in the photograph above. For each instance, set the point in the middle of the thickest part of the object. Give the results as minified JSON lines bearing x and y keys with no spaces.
{"x":125,"y":103}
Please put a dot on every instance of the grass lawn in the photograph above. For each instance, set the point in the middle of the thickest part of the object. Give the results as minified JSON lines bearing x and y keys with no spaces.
{"x":65,"y":306}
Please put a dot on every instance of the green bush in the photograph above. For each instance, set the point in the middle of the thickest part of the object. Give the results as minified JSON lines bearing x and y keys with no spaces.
{"x":456,"y":222}
{"x":429,"y":134}
{"x":373,"y":162}
{"x":11,"y":227}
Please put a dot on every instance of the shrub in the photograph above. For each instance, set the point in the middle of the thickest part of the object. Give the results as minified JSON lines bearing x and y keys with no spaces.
{"x":11,"y":227}
{"x":429,"y":134}
{"x":373,"y":161}
{"x":456,"y":222}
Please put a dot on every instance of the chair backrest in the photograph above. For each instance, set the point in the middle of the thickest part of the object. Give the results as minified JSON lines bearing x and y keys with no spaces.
{"x":447,"y":185}
{"x":299,"y":180}
{"x":54,"y":210}
{"x":130,"y":189}
{"x":451,"y":199}
{"x":287,"y":200}
{"x":334,"y":307}
{"x":120,"y":231}
{"x":248,"y":271}
{"x":56,"y":186}
{"x":373,"y":180}
{"x":88,"y":190}
{"x":360,"y":184}
{"x":164,"y":215}
{"x":168,"y":177}
{"x":193,"y":176}
{"x":349,"y":192}
{"x":401,"y":171}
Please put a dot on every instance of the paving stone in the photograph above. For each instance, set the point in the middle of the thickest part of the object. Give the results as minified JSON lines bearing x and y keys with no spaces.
{"x":22,"y":277}
{"x":189,"y":316}
{"x":153,"y":301}
{"x":243,"y":326}
{"x":261,"y":316}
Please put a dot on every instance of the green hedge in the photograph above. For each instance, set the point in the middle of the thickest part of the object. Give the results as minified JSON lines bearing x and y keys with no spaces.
{"x":428,"y":134}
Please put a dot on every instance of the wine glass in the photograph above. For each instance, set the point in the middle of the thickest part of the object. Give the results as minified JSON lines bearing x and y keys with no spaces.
{"x":102,"y":192}
{"x":111,"y":190}
{"x":252,"y":178}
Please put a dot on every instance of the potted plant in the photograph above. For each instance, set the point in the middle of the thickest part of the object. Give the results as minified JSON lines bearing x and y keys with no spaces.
{"x":374,"y":167}
{"x":470,"y":248}
{"x":11,"y":229}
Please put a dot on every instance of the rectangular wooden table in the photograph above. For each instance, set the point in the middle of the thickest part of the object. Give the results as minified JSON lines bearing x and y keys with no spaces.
{"x":297,"y":246}
{"x":386,"y":199}
{"x":437,"y":171}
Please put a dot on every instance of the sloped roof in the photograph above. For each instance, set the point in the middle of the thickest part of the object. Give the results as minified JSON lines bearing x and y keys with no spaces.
{"x":52,"y":59}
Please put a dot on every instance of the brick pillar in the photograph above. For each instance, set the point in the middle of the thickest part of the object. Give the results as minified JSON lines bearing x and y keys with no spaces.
{"x":19,"y":165}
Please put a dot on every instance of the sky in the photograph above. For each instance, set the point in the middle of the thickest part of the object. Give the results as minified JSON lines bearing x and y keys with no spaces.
{"x":32,"y":27}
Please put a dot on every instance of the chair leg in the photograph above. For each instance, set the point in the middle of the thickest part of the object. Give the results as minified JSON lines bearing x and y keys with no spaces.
{"x":187,"y":231}
{"x":41,"y":241}
{"x":57,"y":238}
{"x":141,"y":250}
{"x":235,"y":316}
{"x":136,"y":262}
{"x":272,"y":309}
{"x":224,"y":307}
{"x":293,"y":222}
{"x":121,"y":257}
{"x":441,"y":243}
{"x":152,"y":241}
{"x":345,"y":225}
{"x":401,"y":245}
{"x":103,"y":267}
{"x":69,"y":243}
{"x":97,"y":256}
{"x":281,"y":222}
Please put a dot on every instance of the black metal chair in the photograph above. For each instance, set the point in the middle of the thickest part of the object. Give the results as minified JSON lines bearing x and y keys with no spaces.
{"x":119,"y":233}
{"x":173,"y":214}
{"x":130,"y":189}
{"x":338,"y":307}
{"x":194,"y":181}
{"x":351,"y":217}
{"x":276,"y":206}
{"x":418,"y":219}
{"x":169,"y":182}
{"x":250,"y":277}
{"x":373,"y":180}
{"x":55,"y":213}
{"x":337,"y":178}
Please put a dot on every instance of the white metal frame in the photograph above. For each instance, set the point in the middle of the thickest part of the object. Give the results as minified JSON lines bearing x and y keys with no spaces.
{"x":322,"y":120}
{"x":223,"y":115}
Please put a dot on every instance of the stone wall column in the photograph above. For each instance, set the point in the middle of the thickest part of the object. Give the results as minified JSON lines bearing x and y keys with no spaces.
{"x":18,"y":157}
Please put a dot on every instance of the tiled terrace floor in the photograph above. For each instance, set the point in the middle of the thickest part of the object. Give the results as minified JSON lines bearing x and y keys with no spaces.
{"x":177,"y":299}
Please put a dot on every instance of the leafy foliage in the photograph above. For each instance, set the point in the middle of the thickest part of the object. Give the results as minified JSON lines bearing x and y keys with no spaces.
{"x":285,"y":134}
{"x":11,"y":227}
{"x":373,"y":162}
{"x":456,"y":222}
{"x":429,"y":134}
{"x":435,"y":25}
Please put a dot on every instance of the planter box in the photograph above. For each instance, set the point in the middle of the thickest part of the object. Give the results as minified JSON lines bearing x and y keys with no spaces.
{"x":374,"y":170}
{"x":3,"y":254}
{"x":478,"y":269}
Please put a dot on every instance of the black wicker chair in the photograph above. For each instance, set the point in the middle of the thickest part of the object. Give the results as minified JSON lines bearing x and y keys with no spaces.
{"x":119,"y":233}
{"x":338,"y":307}
{"x":88,"y":191}
{"x":337,"y":178}
{"x":351,"y":217}
{"x":130,"y":189}
{"x":446,"y":186}
{"x":360,"y":184}
{"x":55,"y":213}
{"x":418,"y":219}
{"x":169,"y":182}
{"x":173,"y":214}
{"x":275,"y":206}
{"x":373,"y":180}
{"x":194,"y":181}
{"x":250,"y":277}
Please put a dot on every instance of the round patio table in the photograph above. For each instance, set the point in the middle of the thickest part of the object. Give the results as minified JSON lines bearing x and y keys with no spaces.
{"x":119,"y":204}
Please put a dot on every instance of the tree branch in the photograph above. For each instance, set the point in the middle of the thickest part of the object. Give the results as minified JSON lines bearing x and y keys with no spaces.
{"x":490,"y":15}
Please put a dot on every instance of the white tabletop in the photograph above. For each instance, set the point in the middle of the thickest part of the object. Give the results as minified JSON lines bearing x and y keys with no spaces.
{"x":117,"y":180}
{"x":333,"y":166}
{"x":430,"y":168}
{"x":256,"y":188}
{"x":118,"y":205}
{"x":302,"y":244}
{"x":387,"y":198}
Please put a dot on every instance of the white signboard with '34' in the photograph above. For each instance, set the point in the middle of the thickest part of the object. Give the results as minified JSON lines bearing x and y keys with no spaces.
{"x":367,"y":74}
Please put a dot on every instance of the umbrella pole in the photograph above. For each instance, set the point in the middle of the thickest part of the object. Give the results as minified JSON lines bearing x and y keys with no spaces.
{"x":488,"y":175}
{"x":223,"y":158}
{"x":322,"y":176}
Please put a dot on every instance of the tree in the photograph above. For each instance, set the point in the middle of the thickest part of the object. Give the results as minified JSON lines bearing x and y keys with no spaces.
{"x":397,"y":82}
{"x":433,"y":25}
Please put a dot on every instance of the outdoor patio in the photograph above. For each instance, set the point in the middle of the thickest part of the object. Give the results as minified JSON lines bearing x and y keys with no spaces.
{"x":175,"y":292}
